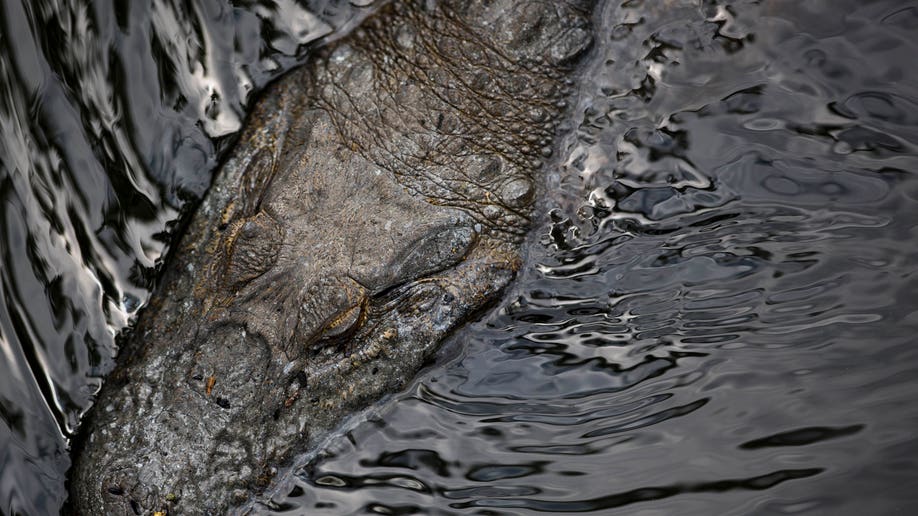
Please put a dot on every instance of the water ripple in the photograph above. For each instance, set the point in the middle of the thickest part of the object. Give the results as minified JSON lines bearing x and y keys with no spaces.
{"x":718,"y":315}
{"x":113,"y":116}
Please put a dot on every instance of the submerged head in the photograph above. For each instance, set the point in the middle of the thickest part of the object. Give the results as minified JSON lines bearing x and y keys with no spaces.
{"x":380,"y":196}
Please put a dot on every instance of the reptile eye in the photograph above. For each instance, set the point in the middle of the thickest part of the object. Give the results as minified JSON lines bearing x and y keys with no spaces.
{"x":441,"y":248}
{"x":252,"y":246}
{"x":341,"y":327}
{"x":347,"y":321}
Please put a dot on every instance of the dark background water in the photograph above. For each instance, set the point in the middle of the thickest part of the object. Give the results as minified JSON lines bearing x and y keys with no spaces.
{"x":113,"y":116}
{"x":719,"y":315}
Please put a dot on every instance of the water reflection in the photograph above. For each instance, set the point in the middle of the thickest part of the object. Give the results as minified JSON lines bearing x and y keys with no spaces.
{"x":718,"y":311}
{"x":112,"y":115}
{"x":717,"y":315}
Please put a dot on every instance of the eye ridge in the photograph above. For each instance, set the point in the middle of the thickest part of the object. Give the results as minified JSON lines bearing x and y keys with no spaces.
{"x":340,"y":328}
{"x":440,"y":249}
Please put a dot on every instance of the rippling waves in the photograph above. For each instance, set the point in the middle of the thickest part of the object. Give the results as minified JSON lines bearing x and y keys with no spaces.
{"x":718,"y":317}
{"x":113,"y":115}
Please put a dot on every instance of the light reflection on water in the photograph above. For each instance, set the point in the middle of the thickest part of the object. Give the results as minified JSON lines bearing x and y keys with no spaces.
{"x":717,"y":317}
{"x":717,"y":313}
{"x":112,"y":115}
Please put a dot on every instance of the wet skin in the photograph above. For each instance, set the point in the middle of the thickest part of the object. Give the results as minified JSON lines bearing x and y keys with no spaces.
{"x":376,"y":200}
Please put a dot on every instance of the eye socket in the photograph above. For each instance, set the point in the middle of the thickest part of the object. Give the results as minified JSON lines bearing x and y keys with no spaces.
{"x":252,"y":249}
{"x":441,"y":248}
{"x":340,"y":328}
{"x":344,"y":322}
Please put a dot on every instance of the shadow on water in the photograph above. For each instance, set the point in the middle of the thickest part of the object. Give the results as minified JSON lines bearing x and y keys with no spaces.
{"x":717,"y":312}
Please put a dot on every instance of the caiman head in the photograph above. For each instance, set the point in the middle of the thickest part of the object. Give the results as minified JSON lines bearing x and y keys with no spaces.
{"x":376,"y":200}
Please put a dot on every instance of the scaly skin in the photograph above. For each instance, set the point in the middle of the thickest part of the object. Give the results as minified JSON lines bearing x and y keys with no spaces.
{"x":376,"y":200}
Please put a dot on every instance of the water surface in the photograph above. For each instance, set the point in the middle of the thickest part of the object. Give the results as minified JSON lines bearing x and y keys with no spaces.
{"x":113,"y":116}
{"x":717,"y":314}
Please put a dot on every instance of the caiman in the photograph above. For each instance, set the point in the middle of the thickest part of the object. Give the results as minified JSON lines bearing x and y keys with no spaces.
{"x":377,"y":199}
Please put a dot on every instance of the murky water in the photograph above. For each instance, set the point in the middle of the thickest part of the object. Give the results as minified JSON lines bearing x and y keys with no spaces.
{"x":113,"y":117}
{"x":718,"y":316}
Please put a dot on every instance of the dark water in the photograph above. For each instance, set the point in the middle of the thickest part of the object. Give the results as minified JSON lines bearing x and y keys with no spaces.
{"x":113,"y":116}
{"x":719,"y":316}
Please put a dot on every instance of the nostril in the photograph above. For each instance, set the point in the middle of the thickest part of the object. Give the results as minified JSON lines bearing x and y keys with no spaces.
{"x":135,"y":507}
{"x":116,"y":490}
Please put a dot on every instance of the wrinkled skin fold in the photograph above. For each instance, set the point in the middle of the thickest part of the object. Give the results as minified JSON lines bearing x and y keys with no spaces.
{"x":376,"y":200}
